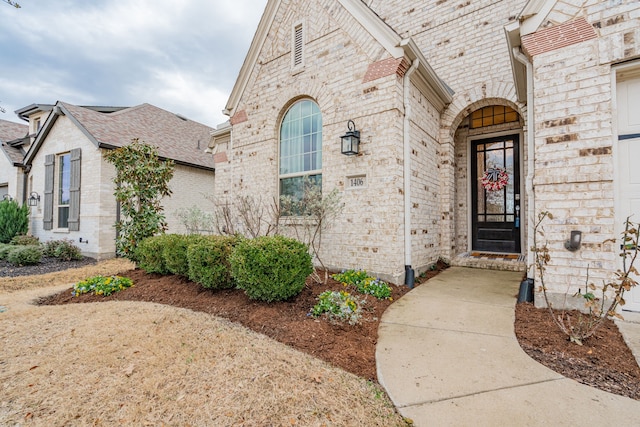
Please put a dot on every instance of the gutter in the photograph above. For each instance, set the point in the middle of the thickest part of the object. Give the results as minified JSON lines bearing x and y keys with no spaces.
{"x":409,"y":277}
{"x":529,"y":188}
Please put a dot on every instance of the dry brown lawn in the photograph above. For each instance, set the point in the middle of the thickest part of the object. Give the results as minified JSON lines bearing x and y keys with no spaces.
{"x":133,"y":363}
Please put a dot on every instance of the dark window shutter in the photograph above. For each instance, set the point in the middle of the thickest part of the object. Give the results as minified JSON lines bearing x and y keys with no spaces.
{"x":74,"y":191}
{"x":49,"y":172}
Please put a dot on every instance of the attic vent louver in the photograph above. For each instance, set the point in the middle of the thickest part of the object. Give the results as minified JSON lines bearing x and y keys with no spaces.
{"x":297,"y":45}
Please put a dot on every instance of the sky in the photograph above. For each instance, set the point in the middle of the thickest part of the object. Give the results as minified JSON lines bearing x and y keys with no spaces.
{"x":179,"y":55}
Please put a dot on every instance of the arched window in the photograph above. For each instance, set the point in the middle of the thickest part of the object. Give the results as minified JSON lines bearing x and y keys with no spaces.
{"x":300,"y":148}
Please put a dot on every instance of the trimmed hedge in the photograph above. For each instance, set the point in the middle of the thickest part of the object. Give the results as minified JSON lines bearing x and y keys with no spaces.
{"x":25,"y":255}
{"x":272,"y":268}
{"x":175,"y":252}
{"x":209,"y":261}
{"x":149,"y":254}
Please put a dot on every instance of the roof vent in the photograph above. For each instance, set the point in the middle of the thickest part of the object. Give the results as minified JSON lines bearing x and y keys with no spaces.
{"x":181,"y":117}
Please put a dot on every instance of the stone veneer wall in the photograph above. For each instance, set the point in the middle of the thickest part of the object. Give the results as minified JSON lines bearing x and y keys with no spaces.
{"x":574,"y":134}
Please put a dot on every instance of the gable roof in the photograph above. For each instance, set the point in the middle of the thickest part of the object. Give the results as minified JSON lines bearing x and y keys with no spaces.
{"x":427,"y":79}
{"x":12,"y":137}
{"x":177,"y":138}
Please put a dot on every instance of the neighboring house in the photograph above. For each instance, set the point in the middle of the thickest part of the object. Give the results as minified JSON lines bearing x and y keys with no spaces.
{"x":449,"y":98}
{"x":74,"y":184}
{"x":13,"y":138}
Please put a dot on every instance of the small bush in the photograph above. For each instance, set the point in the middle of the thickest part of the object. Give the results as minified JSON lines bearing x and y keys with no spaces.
{"x":101,"y":285}
{"x":271,"y":268}
{"x":175,"y":252}
{"x":209,"y":262}
{"x":149,"y":254}
{"x":5,"y":248}
{"x":67,"y":251}
{"x":25,"y":255}
{"x":14,"y":220}
{"x":63,"y":249}
{"x":24,"y":240}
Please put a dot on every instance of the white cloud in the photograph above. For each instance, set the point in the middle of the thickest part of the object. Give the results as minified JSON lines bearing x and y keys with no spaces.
{"x":180,"y":55}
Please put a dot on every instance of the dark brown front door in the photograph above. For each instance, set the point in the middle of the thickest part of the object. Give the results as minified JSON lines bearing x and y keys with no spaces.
{"x":496,"y":207}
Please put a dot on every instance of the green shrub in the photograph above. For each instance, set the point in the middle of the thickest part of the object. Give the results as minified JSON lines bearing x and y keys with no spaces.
{"x":24,"y":240}
{"x":209,"y":261}
{"x":25,"y":255}
{"x":67,"y":251}
{"x":175,"y":252}
{"x":149,"y":254}
{"x":271,"y":268}
{"x":5,"y":248}
{"x":14,"y":220}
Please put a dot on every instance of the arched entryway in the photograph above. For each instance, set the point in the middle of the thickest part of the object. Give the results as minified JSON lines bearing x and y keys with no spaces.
{"x":489,"y":171}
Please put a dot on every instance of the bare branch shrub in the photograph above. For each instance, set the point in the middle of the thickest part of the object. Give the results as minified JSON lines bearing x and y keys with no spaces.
{"x":597,"y":308}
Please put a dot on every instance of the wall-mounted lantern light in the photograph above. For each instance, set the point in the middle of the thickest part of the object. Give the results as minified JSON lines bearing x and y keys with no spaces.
{"x":573,"y":244}
{"x":350,"y":140}
{"x":34,"y":199}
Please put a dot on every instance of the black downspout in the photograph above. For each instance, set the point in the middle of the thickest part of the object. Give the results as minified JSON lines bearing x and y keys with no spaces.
{"x":409,"y":276}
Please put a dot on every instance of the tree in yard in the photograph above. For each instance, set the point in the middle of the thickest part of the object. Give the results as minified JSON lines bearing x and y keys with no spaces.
{"x":142,"y":180}
{"x":12,"y":3}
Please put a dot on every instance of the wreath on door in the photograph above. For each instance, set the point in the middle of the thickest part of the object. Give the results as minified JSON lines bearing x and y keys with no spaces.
{"x":495,"y":179}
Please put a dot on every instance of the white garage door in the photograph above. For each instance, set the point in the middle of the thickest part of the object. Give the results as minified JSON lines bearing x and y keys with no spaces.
{"x":628,"y":185}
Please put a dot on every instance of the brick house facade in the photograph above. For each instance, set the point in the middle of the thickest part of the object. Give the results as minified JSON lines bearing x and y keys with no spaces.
{"x":444,"y":94}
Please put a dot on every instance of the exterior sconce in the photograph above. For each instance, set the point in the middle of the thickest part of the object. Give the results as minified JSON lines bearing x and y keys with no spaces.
{"x":350,"y":140}
{"x":34,"y":199}
{"x":573,"y":244}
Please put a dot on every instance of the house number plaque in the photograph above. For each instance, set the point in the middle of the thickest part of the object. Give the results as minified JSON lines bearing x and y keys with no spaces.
{"x":357,"y":181}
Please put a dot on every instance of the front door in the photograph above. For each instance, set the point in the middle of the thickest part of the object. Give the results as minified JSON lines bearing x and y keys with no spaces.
{"x":628,"y":184}
{"x":495,"y":186}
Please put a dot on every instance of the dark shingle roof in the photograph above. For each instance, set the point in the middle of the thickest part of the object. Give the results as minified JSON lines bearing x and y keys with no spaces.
{"x":177,"y":138}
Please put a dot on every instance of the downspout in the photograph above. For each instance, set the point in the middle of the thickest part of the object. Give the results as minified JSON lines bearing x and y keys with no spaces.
{"x":409,"y":272}
{"x":529,"y":189}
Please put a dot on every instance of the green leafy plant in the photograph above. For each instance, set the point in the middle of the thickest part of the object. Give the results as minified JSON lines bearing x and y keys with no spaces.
{"x":364,"y":283}
{"x":142,"y":180}
{"x":25,"y":255}
{"x":5,"y":248}
{"x":24,"y":240}
{"x":338,"y":306}
{"x":597,"y":308}
{"x":102,"y":285}
{"x":271,"y":268}
{"x":209,"y":262}
{"x":14,"y":220}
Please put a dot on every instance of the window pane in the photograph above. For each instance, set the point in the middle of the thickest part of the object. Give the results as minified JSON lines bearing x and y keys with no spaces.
{"x":300,"y":146}
{"x":65,"y":180}
{"x":63,"y":217}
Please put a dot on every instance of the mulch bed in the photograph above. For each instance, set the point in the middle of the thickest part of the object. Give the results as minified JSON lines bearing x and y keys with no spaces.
{"x":47,"y":265}
{"x":603,"y":361}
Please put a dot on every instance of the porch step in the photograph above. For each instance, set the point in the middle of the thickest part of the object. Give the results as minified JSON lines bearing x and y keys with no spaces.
{"x":487,"y":261}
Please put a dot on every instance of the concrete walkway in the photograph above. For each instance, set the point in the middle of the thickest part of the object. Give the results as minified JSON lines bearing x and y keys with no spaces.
{"x":448,"y":356}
